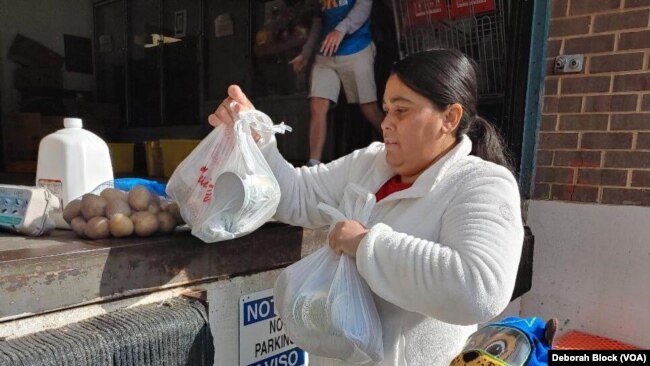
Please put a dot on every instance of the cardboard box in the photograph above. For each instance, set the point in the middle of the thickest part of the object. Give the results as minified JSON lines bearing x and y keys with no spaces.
{"x":464,"y":8}
{"x":28,"y":52}
{"x":426,"y":11}
{"x":37,"y":78}
{"x":21,"y":136}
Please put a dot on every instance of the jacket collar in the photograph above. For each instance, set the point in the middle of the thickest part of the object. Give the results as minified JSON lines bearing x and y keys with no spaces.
{"x":432,"y":175}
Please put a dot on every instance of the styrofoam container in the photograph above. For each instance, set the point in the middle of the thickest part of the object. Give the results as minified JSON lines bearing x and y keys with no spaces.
{"x":235,"y":207}
{"x":71,"y":162}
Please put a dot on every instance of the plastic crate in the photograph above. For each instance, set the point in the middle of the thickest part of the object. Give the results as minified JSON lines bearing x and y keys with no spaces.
{"x":153,"y":158}
{"x":583,"y":341}
{"x":174,"y":152}
{"x":121,"y":156}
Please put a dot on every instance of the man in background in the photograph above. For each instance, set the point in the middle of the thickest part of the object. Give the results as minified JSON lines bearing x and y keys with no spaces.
{"x":346,"y":57}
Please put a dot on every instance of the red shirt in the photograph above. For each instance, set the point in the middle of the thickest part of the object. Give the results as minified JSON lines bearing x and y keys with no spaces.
{"x":391,"y":186}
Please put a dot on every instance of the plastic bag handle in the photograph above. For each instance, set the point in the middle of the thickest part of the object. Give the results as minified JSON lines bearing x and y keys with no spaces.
{"x":332,"y":212}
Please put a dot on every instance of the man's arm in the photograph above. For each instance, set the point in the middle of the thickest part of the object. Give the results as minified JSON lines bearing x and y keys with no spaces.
{"x":356,"y":17}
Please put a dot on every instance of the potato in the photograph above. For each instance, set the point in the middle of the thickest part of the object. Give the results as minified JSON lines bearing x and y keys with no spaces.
{"x":154,"y":208}
{"x":145,"y":223}
{"x":72,"y":210}
{"x":173,"y":209}
{"x":118,"y":206}
{"x":120,"y":225}
{"x":92,"y":206}
{"x":139,"y":198}
{"x":112,"y":194}
{"x":166,"y":222}
{"x":97,"y":228}
{"x":78,"y":224}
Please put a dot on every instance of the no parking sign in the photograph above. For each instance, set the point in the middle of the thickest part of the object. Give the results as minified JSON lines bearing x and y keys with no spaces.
{"x":262,"y":340}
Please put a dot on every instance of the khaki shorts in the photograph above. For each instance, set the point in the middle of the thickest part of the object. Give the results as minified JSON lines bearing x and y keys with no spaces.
{"x":356,"y":72}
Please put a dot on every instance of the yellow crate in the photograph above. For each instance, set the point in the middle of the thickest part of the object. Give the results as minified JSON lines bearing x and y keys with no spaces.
{"x":173,"y":153}
{"x":121,"y":156}
{"x":153,"y":157}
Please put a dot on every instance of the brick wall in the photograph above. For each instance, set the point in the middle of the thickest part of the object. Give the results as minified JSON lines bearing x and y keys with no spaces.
{"x":594,"y":139}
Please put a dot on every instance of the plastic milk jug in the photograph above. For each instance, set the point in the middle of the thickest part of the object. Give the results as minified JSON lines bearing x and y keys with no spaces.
{"x":71,"y":162}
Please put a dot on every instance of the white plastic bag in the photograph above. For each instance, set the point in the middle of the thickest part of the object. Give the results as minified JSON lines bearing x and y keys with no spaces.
{"x":325,"y":305}
{"x":225,"y":188}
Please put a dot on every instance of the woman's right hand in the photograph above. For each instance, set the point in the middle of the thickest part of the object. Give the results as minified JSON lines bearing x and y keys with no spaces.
{"x":230,"y":107}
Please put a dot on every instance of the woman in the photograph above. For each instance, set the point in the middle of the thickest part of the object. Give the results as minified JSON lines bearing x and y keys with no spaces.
{"x":442,"y":247}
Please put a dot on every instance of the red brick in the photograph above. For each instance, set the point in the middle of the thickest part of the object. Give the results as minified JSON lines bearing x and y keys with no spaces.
{"x":550,"y":86}
{"x":549,"y":122}
{"x":574,"y":193}
{"x":632,"y":82}
{"x":636,"y":3}
{"x":606,"y":140}
{"x":554,"y":175}
{"x":577,"y":158}
{"x":550,"y":104}
{"x":617,"y":21}
{"x":578,"y":7}
{"x":586,"y":84}
{"x":634,"y":40}
{"x":621,"y":196}
{"x":548,"y":66}
{"x":627,"y":159}
{"x":641,"y":178}
{"x":544,"y":158}
{"x":645,"y":106}
{"x":583,"y":122}
{"x":602,"y":177}
{"x":630,"y":121}
{"x":569,"y":26}
{"x":643,"y":142}
{"x":553,"y":47}
{"x":610,"y":103}
{"x":559,"y":8}
{"x":569,"y":104}
{"x":552,"y":140}
{"x":592,"y":44}
{"x":616,"y":62}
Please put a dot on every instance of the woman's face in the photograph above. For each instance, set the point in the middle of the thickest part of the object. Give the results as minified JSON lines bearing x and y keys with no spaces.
{"x":415,"y":132}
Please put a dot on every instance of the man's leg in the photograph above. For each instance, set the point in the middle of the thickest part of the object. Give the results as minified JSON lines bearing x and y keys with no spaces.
{"x":373,"y":114}
{"x":318,"y":108}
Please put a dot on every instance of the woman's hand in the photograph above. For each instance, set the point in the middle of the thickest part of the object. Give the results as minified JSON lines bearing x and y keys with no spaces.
{"x":230,"y":107}
{"x":345,"y":237}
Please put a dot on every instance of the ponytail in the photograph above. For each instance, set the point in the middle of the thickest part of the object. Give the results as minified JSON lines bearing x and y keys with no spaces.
{"x":487,"y":144}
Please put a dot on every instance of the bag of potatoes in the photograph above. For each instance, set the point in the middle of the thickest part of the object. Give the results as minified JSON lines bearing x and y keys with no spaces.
{"x":224,"y":187}
{"x":109,"y":211}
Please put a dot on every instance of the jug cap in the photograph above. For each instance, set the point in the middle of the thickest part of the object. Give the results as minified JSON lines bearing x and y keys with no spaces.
{"x":72,"y":123}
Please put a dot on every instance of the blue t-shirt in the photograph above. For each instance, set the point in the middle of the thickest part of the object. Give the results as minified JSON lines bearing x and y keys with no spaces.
{"x":335,"y":12}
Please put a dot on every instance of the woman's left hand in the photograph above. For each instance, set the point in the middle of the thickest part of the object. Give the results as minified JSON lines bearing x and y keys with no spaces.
{"x":345,"y":237}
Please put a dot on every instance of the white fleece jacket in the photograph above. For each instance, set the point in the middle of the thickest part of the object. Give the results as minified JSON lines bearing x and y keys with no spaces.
{"x":440,"y":256}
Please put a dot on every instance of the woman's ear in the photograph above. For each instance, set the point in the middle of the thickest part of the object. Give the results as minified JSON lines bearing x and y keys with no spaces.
{"x":453,"y":114}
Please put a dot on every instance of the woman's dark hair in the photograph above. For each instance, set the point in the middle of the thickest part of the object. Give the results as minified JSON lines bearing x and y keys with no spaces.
{"x":445,"y":77}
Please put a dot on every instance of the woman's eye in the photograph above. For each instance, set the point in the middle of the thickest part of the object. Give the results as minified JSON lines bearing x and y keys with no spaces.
{"x":496,"y":348}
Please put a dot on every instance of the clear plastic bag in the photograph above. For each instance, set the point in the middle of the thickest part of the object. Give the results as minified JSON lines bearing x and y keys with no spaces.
{"x":325,"y":305}
{"x":225,"y":188}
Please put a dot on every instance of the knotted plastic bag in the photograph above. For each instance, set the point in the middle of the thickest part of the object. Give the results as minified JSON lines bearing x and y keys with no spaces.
{"x":225,"y":188}
{"x":325,"y":305}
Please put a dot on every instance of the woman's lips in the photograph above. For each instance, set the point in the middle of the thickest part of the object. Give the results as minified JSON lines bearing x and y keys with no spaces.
{"x":390,"y":143}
